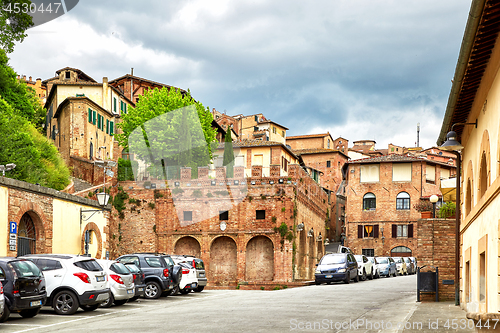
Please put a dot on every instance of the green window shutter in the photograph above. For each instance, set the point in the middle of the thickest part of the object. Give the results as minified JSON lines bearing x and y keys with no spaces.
{"x":111,"y":128}
{"x":90,"y":115}
{"x":94,"y":117}
{"x":124,"y":107}
{"x":114,"y":104}
{"x":107,"y":126}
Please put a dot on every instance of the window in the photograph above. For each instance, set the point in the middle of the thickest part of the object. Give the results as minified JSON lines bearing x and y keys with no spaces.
{"x":256,"y":118}
{"x":403,"y":201}
{"x":68,"y":75}
{"x":402,"y":230}
{"x":130,"y":260}
{"x":107,"y":126}
{"x":89,"y":265}
{"x":482,"y":277}
{"x":328,"y":143}
{"x":369,"y":201}
{"x":328,"y":164}
{"x":368,"y":252}
{"x":368,"y":231}
{"x":369,"y":173}
{"x":48,"y":264}
{"x":188,"y":215}
{"x":224,"y":216}
{"x":467,"y":281}
{"x":90,"y":115}
{"x":401,"y":172}
{"x":283,"y":133}
{"x":430,"y":174}
{"x":154,"y":262}
{"x":260,"y":214}
{"x":111,"y":128}
{"x":274,"y":130}
{"x":114,"y":104}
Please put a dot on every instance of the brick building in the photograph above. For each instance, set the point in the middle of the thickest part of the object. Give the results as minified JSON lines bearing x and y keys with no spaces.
{"x":381,"y":192}
{"x":40,"y":90}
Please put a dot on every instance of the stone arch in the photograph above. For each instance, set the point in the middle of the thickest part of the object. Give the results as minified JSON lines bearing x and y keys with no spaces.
{"x":35,"y":212}
{"x":484,"y":164}
{"x":401,"y":251}
{"x":91,"y":226}
{"x":26,"y":236}
{"x":469,"y":189}
{"x":223,"y":260}
{"x":188,"y":245}
{"x":259,"y":259}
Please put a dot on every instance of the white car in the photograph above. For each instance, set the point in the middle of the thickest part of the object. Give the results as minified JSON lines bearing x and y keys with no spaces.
{"x":400,"y":265}
{"x":376,"y":270}
{"x":365,"y":267}
{"x":189,"y":279}
{"x":120,"y":282}
{"x":72,"y":281}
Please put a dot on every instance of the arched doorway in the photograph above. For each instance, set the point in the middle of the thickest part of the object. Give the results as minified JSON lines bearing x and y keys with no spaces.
{"x":26,"y":236}
{"x":259,"y":259}
{"x":189,"y":246}
{"x":401,"y":251}
{"x":223,"y":261}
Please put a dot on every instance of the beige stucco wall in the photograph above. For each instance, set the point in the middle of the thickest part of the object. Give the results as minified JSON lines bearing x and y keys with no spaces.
{"x":92,"y":92}
{"x":67,"y":232}
{"x":4,"y":221}
{"x":484,"y":217}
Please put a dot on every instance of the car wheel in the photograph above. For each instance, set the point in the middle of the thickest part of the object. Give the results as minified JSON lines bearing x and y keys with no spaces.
{"x":356,"y":279}
{"x":5,"y":315}
{"x":348,"y":277}
{"x":120,"y":302}
{"x":370,"y":277}
{"x":363,"y":276}
{"x":29,"y":313}
{"x":377,"y":276}
{"x":200,"y":289}
{"x":65,"y":303}
{"x":395,"y":273}
{"x":89,"y":307}
{"x":175,"y":291}
{"x":108,"y":303}
{"x":152,"y":290}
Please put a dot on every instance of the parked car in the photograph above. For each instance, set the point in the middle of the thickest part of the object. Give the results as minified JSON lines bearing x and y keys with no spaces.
{"x":400,"y":265}
{"x":72,"y":281}
{"x":410,"y":267}
{"x":23,"y":287}
{"x":139,"y":276}
{"x":120,"y":282}
{"x":365,"y":267}
{"x":2,"y":300}
{"x":189,"y":281}
{"x":198,"y":264}
{"x":376,"y":273}
{"x":158,"y":271}
{"x":386,"y":266}
{"x":344,"y":249}
{"x":414,"y":260}
{"x":336,"y":267}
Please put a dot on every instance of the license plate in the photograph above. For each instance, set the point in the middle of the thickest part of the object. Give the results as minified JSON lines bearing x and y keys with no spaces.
{"x":193,"y":285}
{"x":329,"y":276}
{"x":100,"y":278}
{"x":130,"y":291}
{"x":36,"y":303}
{"x":170,"y":287}
{"x":202,"y":275}
{"x":140,"y":289}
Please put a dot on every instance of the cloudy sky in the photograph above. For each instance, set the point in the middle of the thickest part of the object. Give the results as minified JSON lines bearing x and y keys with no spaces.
{"x":360,"y":69}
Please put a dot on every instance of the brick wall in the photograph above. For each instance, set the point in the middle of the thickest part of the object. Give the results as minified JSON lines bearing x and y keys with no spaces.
{"x":436,"y":247}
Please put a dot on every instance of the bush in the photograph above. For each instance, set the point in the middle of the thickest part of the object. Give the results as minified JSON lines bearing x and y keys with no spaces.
{"x":125,"y":170}
{"x":447,"y":210}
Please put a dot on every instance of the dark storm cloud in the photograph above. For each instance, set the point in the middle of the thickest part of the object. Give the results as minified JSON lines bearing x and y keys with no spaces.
{"x":307,"y":65}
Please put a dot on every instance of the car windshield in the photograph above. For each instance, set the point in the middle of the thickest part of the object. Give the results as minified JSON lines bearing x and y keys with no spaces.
{"x":154,"y":262}
{"x":383,"y":260}
{"x":119,"y":268}
{"x":359,"y":258}
{"x":332,"y":260}
{"x":89,"y":265}
{"x":169,"y":260}
{"x":199,"y":264}
{"x":132,"y":268}
{"x":25,"y":268}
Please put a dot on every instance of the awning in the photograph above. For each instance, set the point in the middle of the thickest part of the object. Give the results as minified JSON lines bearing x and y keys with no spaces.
{"x":448,"y":189}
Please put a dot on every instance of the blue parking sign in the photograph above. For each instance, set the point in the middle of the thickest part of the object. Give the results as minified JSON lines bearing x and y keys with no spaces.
{"x":13,"y":227}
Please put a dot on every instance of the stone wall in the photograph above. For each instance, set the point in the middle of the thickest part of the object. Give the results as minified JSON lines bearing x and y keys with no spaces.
{"x":436,"y":247}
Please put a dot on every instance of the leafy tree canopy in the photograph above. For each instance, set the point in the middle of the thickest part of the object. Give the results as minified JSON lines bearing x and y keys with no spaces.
{"x":168,"y":128}
{"x":37,"y":159}
{"x":13,"y":25}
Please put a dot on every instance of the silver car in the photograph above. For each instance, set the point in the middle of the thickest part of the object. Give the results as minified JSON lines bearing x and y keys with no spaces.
{"x":2,"y":300}
{"x":120,"y":282}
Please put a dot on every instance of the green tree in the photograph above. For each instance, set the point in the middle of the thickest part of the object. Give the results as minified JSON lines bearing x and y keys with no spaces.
{"x":168,"y":128}
{"x":13,"y":25}
{"x":21,"y":97}
{"x":228,"y":160}
{"x":37,"y":159}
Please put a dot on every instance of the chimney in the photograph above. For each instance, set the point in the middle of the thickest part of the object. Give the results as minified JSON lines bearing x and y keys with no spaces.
{"x":106,"y":99}
{"x":24,"y":77}
{"x":132,"y":71}
{"x":30,"y":78}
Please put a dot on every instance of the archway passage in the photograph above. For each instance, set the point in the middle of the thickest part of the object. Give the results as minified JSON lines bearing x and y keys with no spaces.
{"x":188,"y":246}
{"x":401,"y":251}
{"x":223,"y":260}
{"x":259,"y":259}
{"x":26,"y":236}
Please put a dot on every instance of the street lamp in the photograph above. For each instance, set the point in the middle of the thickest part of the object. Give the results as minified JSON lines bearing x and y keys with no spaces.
{"x":102,"y":198}
{"x":434,"y":198}
{"x":7,"y":167}
{"x":453,"y":145}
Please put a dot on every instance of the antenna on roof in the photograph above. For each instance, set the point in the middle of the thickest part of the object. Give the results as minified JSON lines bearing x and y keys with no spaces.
{"x":418,"y":134}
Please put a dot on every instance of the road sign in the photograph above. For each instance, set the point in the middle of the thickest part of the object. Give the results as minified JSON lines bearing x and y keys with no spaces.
{"x":13,"y":242}
{"x":12,"y":247}
{"x":12,"y":236}
{"x":13,"y":227}
{"x":110,"y":173}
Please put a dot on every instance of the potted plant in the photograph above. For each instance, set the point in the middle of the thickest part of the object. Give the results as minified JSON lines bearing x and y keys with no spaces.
{"x":424,"y":207}
{"x":447,"y":210}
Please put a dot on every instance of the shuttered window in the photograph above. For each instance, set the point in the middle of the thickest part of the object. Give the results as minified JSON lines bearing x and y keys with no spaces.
{"x":111,"y":128}
{"x":90,"y":115}
{"x":107,"y":126}
{"x":94,"y":117}
{"x":370,"y":173}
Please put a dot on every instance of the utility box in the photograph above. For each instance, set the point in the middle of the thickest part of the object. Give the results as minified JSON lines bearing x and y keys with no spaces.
{"x":428,"y":282}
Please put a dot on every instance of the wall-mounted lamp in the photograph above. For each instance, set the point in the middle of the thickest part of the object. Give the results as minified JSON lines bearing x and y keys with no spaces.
{"x":300,"y":226}
{"x":310,"y":233}
{"x":7,"y":167}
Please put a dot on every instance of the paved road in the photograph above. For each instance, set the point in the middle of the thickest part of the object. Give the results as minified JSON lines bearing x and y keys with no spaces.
{"x":369,"y":306}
